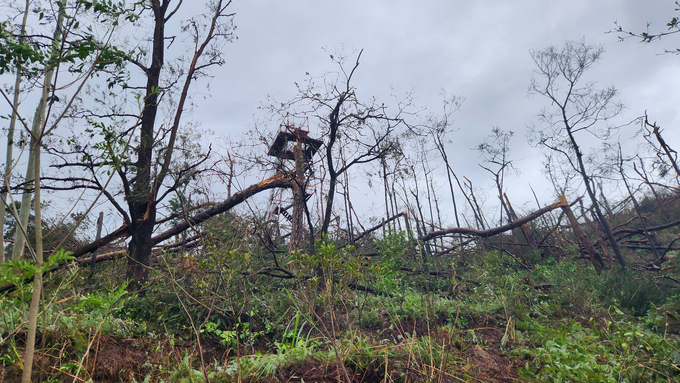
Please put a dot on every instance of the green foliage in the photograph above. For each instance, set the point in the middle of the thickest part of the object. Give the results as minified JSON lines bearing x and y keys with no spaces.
{"x":634,"y":290}
{"x":70,"y":320}
{"x":394,"y":255}
{"x":365,"y":358}
{"x":97,"y":311}
{"x":613,"y":349}
{"x":110,"y":10}
{"x":111,"y":147}
{"x":185,"y":373}
{"x":575,"y":288}
{"x":35,"y":54}
{"x":16,"y":271}
{"x":550,"y":322}
{"x":266,"y":365}
{"x":370,"y":319}
{"x":14,"y":53}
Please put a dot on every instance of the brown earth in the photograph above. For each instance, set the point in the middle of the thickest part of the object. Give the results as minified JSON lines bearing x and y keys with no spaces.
{"x":117,"y":360}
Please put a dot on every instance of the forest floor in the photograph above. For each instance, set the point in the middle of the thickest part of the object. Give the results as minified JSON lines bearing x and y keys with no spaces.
{"x":491,"y":320}
{"x":127,"y":359}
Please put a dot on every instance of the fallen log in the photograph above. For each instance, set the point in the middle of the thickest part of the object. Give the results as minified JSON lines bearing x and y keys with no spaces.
{"x":121,"y":232}
{"x":625,"y":233}
{"x":497,"y":230}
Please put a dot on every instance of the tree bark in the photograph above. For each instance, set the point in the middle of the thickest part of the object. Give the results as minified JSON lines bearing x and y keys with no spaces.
{"x":334,"y":119}
{"x":143,"y":196}
{"x":33,"y":311}
{"x":34,"y":160}
{"x":100,"y":221}
{"x":141,"y":201}
{"x":36,"y":128}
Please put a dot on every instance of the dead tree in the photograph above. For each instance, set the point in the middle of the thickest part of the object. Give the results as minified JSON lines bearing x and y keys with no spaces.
{"x":576,"y":108}
{"x":667,"y":150}
{"x":642,"y":172}
{"x":526,"y":230}
{"x":363,"y":131}
{"x":643,"y":221}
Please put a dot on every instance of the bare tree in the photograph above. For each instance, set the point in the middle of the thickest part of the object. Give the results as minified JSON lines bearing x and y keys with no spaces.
{"x":439,"y":127}
{"x":663,"y":149}
{"x":362,"y":131}
{"x":576,"y":109}
{"x":643,"y":220}
{"x":495,"y":151}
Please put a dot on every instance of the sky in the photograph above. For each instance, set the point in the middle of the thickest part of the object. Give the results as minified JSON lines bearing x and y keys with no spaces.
{"x":478,"y":50}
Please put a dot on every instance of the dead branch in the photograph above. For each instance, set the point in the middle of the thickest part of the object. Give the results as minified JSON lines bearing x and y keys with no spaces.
{"x":378,"y":226}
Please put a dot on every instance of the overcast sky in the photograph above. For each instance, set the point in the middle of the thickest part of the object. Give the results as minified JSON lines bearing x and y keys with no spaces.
{"x":476,"y":49}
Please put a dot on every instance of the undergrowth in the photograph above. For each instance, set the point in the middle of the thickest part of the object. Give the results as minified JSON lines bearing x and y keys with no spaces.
{"x":216,"y":317}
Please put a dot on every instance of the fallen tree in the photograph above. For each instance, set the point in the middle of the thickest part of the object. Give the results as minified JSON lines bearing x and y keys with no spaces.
{"x":497,"y":230}
{"x":625,"y":233}
{"x":277,"y":181}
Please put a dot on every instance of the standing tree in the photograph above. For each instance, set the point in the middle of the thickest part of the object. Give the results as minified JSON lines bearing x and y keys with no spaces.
{"x":144,"y":184}
{"x":65,"y":58}
{"x":576,"y":109}
{"x":439,"y":127}
{"x":9,"y":164}
{"x":148,"y":144}
{"x":495,"y":151}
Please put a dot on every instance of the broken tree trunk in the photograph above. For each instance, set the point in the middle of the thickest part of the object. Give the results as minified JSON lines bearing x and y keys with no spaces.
{"x":378,"y":226}
{"x":526,"y":230}
{"x":667,"y":149}
{"x":597,"y":230}
{"x":594,"y":256}
{"x":277,"y":181}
